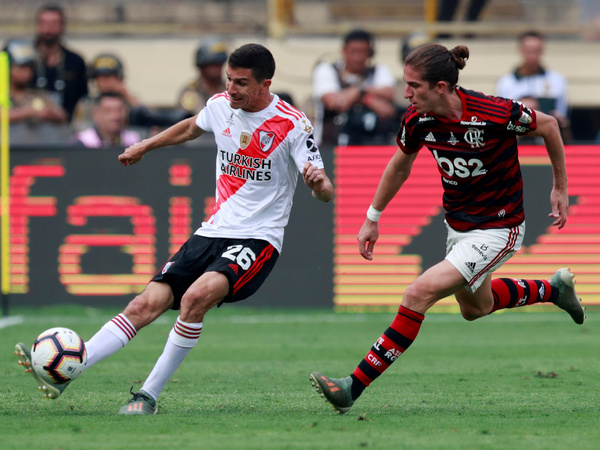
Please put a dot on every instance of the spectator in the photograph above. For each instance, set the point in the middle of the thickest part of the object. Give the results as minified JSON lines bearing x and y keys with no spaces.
{"x":109,"y":128}
{"x":105,"y":74}
{"x":57,"y":69}
{"x":356,"y":98}
{"x":35,"y":117}
{"x":210,"y":58}
{"x":590,"y":19}
{"x":28,"y":104}
{"x":447,"y":8}
{"x":536,"y":86}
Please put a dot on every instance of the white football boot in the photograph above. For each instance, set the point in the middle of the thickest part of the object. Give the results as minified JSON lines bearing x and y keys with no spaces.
{"x":567,"y":299}
{"x":47,"y":389}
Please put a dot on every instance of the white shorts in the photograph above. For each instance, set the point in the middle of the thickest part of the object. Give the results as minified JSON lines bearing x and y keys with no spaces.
{"x":478,"y":253}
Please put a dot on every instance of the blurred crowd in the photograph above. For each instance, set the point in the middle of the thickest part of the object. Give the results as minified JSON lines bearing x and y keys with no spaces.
{"x":57,"y":98}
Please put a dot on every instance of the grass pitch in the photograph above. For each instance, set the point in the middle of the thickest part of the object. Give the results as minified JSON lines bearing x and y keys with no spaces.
{"x":513,"y":380}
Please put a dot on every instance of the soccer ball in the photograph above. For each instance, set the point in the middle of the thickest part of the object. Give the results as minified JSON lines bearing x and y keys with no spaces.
{"x":58,"y":355}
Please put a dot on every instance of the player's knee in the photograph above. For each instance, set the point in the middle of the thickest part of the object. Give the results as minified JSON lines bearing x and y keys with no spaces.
{"x":148,"y":305}
{"x":471,"y":314}
{"x":138,"y":312}
{"x":196,"y":302}
{"x":416,"y":298}
{"x":194,"y":299}
{"x":193,"y":309}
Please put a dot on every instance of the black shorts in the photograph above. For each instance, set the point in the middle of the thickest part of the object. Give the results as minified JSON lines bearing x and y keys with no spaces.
{"x":245,"y":262}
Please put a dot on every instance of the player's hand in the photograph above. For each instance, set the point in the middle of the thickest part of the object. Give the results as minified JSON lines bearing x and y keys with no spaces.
{"x":559,"y":199}
{"x":132,"y":154}
{"x":367,"y":236}
{"x":312,"y":175}
{"x":318,"y":182}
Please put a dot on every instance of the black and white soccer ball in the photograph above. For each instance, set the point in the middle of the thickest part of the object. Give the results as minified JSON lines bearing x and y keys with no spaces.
{"x":58,"y":355}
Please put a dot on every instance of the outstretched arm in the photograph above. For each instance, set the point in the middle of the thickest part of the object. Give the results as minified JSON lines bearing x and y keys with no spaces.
{"x":547,"y":128}
{"x":315,"y":178}
{"x":394,"y":176}
{"x":183,"y":131}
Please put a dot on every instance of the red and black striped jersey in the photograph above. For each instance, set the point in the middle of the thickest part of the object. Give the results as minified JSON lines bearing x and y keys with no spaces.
{"x":477,"y":158}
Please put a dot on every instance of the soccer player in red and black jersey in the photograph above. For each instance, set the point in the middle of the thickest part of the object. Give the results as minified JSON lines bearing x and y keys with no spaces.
{"x":473,"y":138}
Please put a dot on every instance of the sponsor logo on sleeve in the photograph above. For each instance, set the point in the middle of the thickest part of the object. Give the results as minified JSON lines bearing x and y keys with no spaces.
{"x":311,"y":144}
{"x":517,"y":128}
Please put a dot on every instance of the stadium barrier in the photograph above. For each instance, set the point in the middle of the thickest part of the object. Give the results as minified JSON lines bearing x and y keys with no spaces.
{"x":412,"y":232}
{"x":86,"y":230}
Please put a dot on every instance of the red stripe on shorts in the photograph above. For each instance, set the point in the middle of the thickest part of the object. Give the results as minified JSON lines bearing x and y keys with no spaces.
{"x":509,"y":247}
{"x":254,"y":268}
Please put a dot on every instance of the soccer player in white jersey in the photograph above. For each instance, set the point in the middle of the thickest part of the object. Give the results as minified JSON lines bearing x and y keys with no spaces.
{"x":262,"y":145}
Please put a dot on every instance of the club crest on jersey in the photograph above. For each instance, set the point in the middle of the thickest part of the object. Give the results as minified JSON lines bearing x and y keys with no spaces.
{"x":265,"y":139}
{"x":245,"y":139}
{"x":474,"y":136}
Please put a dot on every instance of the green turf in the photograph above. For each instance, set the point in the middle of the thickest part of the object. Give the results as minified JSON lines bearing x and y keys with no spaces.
{"x":507,"y":381}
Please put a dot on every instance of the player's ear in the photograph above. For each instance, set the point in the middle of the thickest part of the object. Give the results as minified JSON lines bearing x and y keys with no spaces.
{"x":440,"y":86}
{"x":266,"y":84}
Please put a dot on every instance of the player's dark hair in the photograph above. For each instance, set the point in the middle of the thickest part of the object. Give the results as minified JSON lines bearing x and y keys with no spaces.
{"x":256,"y":58}
{"x":436,"y":63}
{"x":52,"y":8}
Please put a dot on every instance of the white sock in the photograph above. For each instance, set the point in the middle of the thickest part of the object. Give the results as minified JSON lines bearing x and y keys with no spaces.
{"x":182,"y":338}
{"x":113,"y":336}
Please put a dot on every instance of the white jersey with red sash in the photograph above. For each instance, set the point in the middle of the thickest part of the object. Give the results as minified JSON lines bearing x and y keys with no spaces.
{"x":259,"y":158}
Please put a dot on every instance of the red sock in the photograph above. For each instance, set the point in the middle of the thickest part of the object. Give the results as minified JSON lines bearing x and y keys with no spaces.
{"x":392,"y":343}
{"x":512,"y":293}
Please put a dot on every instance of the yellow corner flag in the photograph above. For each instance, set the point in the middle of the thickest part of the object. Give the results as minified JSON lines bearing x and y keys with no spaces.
{"x":4,"y":180}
